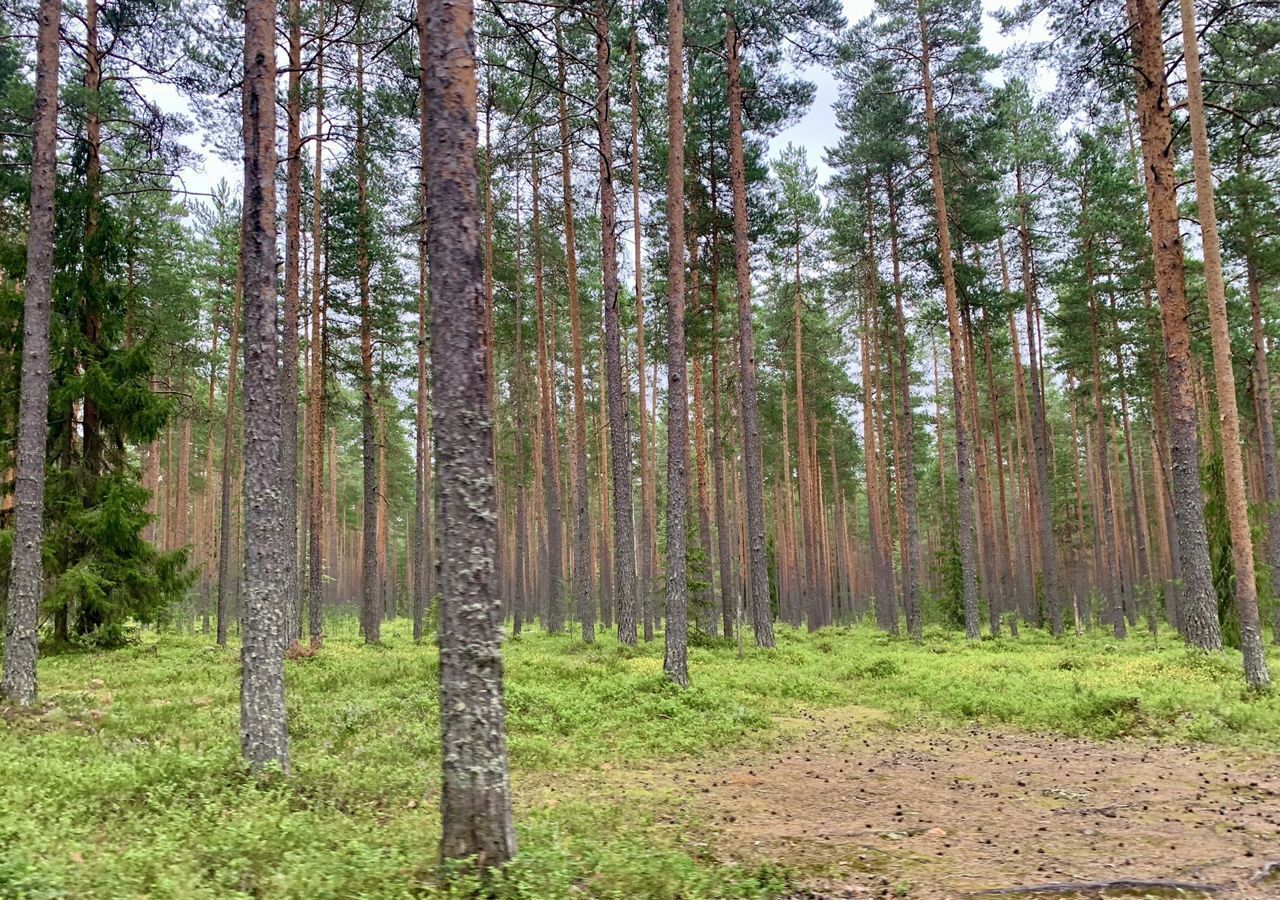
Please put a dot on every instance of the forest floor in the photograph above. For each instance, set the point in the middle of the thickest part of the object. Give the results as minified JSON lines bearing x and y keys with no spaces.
{"x":971,"y":812}
{"x":842,"y":764}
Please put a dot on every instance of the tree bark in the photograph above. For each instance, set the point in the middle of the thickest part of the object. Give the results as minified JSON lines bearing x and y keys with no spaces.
{"x":26,"y":573}
{"x":1199,"y":612}
{"x":1246,"y":589}
{"x":319,"y":378}
{"x":476,"y":796}
{"x":584,"y":606}
{"x":618,"y":399}
{"x":761,"y":612}
{"x":269,"y":564}
{"x":229,"y":445}
{"x":422,"y":501}
{"x":675,"y":662}
{"x":964,"y":481}
{"x":292,"y":302}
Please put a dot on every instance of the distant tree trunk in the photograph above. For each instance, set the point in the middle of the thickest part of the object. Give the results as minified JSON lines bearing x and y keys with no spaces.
{"x":370,"y":597}
{"x":476,"y":796}
{"x":1110,"y":584}
{"x":910,"y":550}
{"x":26,"y":573}
{"x":268,"y":562}
{"x":964,"y":480}
{"x":1042,"y":499}
{"x":292,"y":302}
{"x":644,"y":573}
{"x":1198,"y":612}
{"x":229,"y":446}
{"x":619,"y":402}
{"x":584,"y":606}
{"x":318,"y":400}
{"x":551,"y":601}
{"x":675,"y":664}
{"x":519,"y":385}
{"x":1266,"y":426}
{"x":761,"y":613}
{"x":1246,"y":589}
{"x":724,"y":560}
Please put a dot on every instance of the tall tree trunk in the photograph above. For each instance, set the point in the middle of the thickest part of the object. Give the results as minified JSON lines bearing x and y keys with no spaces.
{"x":1199,"y":612}
{"x":422,"y":501}
{"x":675,"y":663}
{"x":1042,"y":499}
{"x":1246,"y":589}
{"x":906,"y":470}
{"x":476,"y":796}
{"x":370,"y":599}
{"x":724,"y":561}
{"x":318,"y":400}
{"x":292,"y":302}
{"x":761,"y":613}
{"x":520,"y":383}
{"x":584,"y":606}
{"x":269,"y":564}
{"x":26,"y":573}
{"x":964,"y":480}
{"x":551,"y":603}
{"x":617,"y":395}
{"x":1111,"y":589}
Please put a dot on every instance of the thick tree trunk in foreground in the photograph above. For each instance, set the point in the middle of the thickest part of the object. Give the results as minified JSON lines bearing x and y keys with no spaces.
{"x":1199,"y":613}
{"x":758,"y":580}
{"x":26,"y":574}
{"x":269,"y":563}
{"x":675,"y":663}
{"x":476,"y":796}
{"x":1246,"y":588}
{"x":619,"y":404}
{"x":964,"y":480}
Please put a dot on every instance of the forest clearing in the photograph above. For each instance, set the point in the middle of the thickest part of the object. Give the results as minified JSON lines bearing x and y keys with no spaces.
{"x":676,"y":449}
{"x":828,"y":764}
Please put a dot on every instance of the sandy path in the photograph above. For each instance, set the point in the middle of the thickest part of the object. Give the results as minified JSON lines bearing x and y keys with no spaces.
{"x":950,"y":815}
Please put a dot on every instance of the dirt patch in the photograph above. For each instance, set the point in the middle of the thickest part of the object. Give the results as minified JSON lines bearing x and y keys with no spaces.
{"x":959,"y":813}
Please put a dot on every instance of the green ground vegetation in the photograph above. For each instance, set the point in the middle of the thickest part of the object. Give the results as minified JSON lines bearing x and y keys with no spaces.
{"x":127,"y":780}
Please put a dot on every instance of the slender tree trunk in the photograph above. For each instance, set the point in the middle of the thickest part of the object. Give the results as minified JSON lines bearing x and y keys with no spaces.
{"x":618,"y":399}
{"x":269,"y":562}
{"x":26,"y":573}
{"x":964,"y":481}
{"x":229,"y":446}
{"x":1246,"y":589}
{"x":292,"y":302}
{"x":1198,"y":612}
{"x":1043,"y":500}
{"x":761,"y":614}
{"x":675,"y":663}
{"x":724,"y":559}
{"x":910,"y":549}
{"x":422,"y":501}
{"x":319,"y":377}
{"x":584,"y":605}
{"x":1266,"y":426}
{"x":370,"y":598}
{"x":476,"y":796}
{"x":553,"y":619}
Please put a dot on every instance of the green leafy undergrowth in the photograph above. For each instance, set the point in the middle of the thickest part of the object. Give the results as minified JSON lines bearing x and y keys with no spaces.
{"x":126,"y":780}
